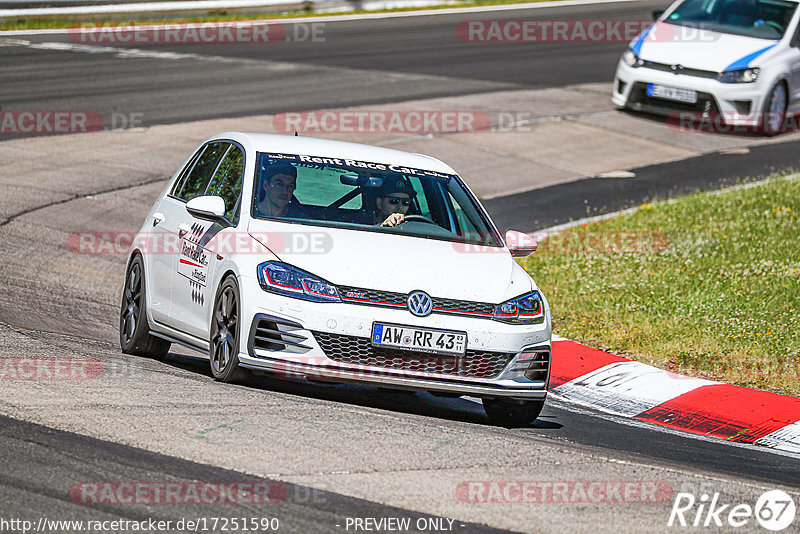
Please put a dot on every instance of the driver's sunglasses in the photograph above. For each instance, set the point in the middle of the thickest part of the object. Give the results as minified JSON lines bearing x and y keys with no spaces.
{"x":394,"y":201}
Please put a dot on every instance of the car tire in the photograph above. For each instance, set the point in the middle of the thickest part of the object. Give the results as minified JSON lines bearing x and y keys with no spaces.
{"x":134,"y":330}
{"x":512,"y":414}
{"x":223,"y":349}
{"x":773,"y":117}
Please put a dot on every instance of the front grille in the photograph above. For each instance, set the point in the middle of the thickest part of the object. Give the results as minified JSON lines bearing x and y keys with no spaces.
{"x":372,"y":296}
{"x":640,"y":100}
{"x":684,"y":71}
{"x":360,"y":351}
{"x":389,"y":299}
{"x":463,"y":306}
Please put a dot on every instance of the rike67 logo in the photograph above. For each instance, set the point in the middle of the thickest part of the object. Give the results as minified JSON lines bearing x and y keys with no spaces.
{"x":774,"y":510}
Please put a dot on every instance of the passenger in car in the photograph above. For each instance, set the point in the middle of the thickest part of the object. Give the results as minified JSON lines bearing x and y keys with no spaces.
{"x":393,"y":202}
{"x":277,"y":184}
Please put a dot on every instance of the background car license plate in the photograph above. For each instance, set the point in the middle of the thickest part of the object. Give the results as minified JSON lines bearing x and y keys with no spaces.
{"x":672,"y":93}
{"x":415,"y":339}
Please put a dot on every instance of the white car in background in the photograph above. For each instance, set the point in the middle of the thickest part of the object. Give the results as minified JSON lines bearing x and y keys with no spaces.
{"x":323,"y":291}
{"x":738,"y":60}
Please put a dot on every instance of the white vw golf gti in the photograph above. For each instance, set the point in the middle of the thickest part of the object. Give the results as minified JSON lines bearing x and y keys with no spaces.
{"x":338,"y":262}
{"x":737,"y":61}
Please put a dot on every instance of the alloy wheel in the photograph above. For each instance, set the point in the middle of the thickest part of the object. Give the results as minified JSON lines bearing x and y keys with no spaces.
{"x":225,"y":328}
{"x":133,"y":303}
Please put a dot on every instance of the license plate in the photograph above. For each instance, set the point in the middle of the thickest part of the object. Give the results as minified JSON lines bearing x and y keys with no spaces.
{"x":412,"y":338}
{"x":672,"y":93}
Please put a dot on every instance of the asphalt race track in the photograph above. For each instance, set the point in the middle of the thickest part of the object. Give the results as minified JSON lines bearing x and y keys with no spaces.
{"x":332,"y":452}
{"x":358,"y":63}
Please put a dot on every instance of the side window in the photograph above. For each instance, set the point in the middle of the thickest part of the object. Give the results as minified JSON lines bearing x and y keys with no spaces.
{"x":227,"y":182}
{"x":197,"y":181}
{"x":180,"y":181}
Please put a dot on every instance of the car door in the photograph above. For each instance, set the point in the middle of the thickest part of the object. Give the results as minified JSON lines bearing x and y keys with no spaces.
{"x":161,"y":246}
{"x":192,"y":288}
{"x":793,"y":54}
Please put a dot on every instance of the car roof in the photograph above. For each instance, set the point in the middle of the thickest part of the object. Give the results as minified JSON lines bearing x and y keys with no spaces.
{"x":327,"y":148}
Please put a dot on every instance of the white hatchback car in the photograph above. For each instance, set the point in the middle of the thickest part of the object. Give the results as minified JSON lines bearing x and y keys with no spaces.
{"x":737,"y":61}
{"x":338,"y":262}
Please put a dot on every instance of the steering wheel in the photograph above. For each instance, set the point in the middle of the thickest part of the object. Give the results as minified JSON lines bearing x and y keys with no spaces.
{"x":776,"y":25}
{"x":418,"y":218}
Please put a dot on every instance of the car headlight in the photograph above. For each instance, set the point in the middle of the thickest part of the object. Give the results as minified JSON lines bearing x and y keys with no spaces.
{"x":739,"y":76}
{"x":277,"y":277}
{"x":525,"y":309}
{"x":631,"y":59}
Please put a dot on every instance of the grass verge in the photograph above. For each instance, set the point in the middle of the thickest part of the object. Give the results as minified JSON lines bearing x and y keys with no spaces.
{"x":55,"y":23}
{"x":706,"y":285}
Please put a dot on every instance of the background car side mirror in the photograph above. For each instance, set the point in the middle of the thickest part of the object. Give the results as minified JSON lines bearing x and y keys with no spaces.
{"x":657,"y":13}
{"x":208,"y":208}
{"x":520,"y":244}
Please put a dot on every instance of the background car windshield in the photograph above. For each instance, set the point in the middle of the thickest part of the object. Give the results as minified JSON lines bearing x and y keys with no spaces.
{"x":348,"y":193}
{"x":765,"y":19}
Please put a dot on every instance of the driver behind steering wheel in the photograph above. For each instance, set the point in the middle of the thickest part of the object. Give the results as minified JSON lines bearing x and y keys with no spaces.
{"x":393,"y":201}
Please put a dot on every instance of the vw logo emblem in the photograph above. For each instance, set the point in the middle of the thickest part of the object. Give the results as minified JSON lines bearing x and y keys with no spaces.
{"x":420,"y":303}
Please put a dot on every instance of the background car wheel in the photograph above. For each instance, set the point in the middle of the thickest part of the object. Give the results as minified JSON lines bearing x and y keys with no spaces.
{"x":225,"y":328}
{"x":134,"y":331}
{"x":774,"y":116}
{"x":512,"y":414}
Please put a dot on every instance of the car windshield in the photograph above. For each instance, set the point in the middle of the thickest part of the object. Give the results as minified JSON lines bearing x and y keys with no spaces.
{"x":361,"y":195}
{"x":764,"y":19}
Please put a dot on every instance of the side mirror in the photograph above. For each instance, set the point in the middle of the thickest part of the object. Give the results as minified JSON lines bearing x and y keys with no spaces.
{"x":519,"y":244}
{"x":657,"y":13}
{"x":208,"y":208}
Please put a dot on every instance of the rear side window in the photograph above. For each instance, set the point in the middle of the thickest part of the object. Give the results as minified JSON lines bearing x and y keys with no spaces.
{"x":227,"y":182}
{"x":185,"y":171}
{"x":197,"y":180}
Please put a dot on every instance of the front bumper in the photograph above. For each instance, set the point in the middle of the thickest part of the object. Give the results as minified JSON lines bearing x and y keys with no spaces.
{"x":737,"y":103}
{"x":331,"y":342}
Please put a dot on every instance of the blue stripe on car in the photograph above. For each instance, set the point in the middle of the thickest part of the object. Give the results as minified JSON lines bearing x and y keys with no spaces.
{"x":637,"y":44}
{"x":745,"y":61}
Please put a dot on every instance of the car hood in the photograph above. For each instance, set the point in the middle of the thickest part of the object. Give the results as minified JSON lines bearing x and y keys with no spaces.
{"x":399,"y":263}
{"x":711,"y":51}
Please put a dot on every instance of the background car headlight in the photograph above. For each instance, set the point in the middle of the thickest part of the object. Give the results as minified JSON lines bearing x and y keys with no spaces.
{"x":739,"y":76}
{"x":525,"y":309}
{"x":631,"y":59}
{"x":277,"y":277}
